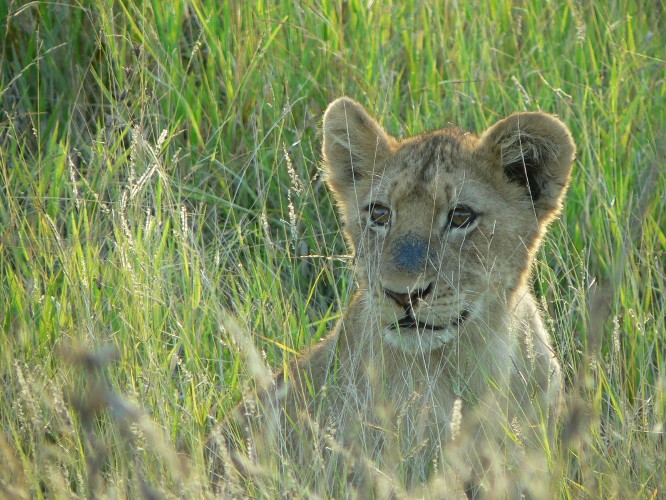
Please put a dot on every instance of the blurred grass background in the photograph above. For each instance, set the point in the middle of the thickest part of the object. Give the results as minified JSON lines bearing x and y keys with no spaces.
{"x":159,"y":171}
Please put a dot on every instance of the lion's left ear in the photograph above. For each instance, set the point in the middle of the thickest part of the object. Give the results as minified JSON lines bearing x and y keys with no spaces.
{"x":536,"y":151}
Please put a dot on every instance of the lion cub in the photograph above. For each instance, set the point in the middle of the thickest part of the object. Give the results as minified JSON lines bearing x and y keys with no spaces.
{"x":440,"y":366}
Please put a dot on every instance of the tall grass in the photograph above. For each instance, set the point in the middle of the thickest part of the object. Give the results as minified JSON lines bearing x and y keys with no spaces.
{"x":159,"y":176}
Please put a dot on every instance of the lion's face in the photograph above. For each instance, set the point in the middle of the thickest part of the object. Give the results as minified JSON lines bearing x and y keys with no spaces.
{"x":443,"y":225}
{"x":428,"y":244}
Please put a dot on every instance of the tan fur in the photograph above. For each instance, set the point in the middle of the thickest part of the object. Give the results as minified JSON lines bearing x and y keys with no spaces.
{"x":470,"y":370}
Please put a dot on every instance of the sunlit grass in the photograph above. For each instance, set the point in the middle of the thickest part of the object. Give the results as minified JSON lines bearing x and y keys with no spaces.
{"x":146,"y":197}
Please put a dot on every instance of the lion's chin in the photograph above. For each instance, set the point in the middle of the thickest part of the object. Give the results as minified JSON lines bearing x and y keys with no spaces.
{"x":417,"y":339}
{"x":410,"y":335}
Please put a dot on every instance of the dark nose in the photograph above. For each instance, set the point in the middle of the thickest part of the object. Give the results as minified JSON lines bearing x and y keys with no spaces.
{"x":406,"y":300}
{"x":410,"y":253}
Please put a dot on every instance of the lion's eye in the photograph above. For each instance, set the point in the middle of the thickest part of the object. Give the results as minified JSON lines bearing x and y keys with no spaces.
{"x":461,"y":217}
{"x":380,"y":215}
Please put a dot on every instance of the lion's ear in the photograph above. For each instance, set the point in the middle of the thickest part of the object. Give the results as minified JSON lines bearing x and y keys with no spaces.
{"x":536,"y":151}
{"x":355,"y":145}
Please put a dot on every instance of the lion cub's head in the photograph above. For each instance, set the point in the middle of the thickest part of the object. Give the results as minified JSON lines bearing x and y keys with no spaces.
{"x":444,"y":225}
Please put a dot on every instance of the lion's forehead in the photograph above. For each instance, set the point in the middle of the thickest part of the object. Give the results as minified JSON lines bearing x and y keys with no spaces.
{"x":409,"y":194}
{"x":435,"y":169}
{"x":422,"y":197}
{"x":436,"y":153}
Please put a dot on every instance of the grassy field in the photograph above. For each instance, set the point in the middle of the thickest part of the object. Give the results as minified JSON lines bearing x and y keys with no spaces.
{"x":159,"y":176}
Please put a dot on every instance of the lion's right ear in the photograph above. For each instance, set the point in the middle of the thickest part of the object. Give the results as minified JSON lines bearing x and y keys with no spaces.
{"x":355,"y":145}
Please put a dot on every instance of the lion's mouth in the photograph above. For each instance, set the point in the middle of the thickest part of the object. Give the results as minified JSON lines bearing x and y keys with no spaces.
{"x":407,"y":321}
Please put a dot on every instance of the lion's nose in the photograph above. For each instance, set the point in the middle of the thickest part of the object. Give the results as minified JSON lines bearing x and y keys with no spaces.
{"x":410,"y":253}
{"x":407,"y":300}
